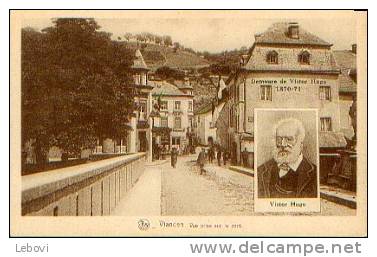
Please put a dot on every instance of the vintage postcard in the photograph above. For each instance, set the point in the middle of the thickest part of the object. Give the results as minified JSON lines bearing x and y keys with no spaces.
{"x":286,"y":160}
{"x":188,"y":123}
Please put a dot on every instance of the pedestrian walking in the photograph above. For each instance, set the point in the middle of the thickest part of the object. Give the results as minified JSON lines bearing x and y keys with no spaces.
{"x":173,"y":157}
{"x":225,"y":157}
{"x":219,"y":153}
{"x":201,"y":161}
{"x":210,"y":155}
{"x":245,"y":157}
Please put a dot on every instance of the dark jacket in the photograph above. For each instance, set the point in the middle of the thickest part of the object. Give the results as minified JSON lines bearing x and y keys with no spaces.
{"x":306,"y":182}
{"x":201,"y":159}
{"x":173,"y":156}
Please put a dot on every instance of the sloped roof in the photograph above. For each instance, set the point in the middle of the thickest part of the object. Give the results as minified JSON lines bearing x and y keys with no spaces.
{"x":139,"y":62}
{"x":346,"y":60}
{"x":165,"y":88}
{"x":332,"y":139}
{"x":204,"y":109}
{"x":278,"y":34}
{"x":321,"y":60}
{"x":182,"y":84}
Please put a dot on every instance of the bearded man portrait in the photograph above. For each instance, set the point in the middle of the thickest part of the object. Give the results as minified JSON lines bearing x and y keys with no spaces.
{"x":288,"y":174}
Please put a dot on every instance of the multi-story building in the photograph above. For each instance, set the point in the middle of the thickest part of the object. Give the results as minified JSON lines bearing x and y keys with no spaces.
{"x":169,"y":125}
{"x":346,"y":59}
{"x":175,"y":112}
{"x":205,"y":119}
{"x":204,"y":128}
{"x":139,"y":136}
{"x":287,"y":67}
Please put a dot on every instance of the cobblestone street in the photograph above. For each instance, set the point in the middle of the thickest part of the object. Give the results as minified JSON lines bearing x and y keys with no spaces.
{"x":219,"y":192}
{"x":185,"y":192}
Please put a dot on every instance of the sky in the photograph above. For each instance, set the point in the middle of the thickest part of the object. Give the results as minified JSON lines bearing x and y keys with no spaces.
{"x":219,"y":34}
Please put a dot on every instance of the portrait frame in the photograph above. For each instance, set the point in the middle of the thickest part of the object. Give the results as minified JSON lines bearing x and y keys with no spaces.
{"x":310,"y":153}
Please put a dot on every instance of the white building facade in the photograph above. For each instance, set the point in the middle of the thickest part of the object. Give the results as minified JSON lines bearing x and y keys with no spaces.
{"x":175,"y":113}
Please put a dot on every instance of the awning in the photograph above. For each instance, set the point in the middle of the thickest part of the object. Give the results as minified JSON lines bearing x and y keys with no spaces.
{"x":142,"y":124}
{"x":161,"y":130}
{"x":332,"y":139}
{"x":154,"y":114}
{"x":129,"y":128}
{"x":247,"y":136}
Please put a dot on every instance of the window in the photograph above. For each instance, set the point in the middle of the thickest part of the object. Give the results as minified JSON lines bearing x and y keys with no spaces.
{"x":272,"y":57}
{"x":326,"y":124}
{"x":143,"y":79}
{"x":137,"y":79}
{"x":143,"y":106}
{"x":143,"y":110}
{"x":190,"y":106}
{"x":304,"y":57}
{"x":164,"y":105}
{"x":190,"y":122}
{"x":293,"y":31}
{"x":164,"y":122}
{"x":266,"y":93}
{"x":325,"y":93}
{"x":177,"y":123}
{"x":176,"y":140}
{"x":177,"y":105}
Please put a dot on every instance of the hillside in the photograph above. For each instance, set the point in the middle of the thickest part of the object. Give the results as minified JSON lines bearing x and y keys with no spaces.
{"x":206,"y":79}
{"x":157,"y":56}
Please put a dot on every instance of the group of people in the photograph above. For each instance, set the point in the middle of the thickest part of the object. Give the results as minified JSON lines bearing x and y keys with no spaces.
{"x":213,"y":151}
{"x":159,"y":150}
{"x":217,"y":152}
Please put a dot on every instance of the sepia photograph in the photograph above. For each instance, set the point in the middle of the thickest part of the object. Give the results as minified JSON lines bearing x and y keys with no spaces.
{"x":169,"y":123}
{"x":287,"y":165}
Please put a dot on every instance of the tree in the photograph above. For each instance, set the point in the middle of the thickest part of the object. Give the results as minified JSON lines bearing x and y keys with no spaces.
{"x":167,"y":40}
{"x":128,"y":36}
{"x":74,"y":86}
{"x":243,"y":49}
{"x":143,"y":46}
{"x":158,"y":40}
{"x":140,"y":38}
{"x":166,"y":72}
{"x":176,"y":46}
{"x":149,"y":36}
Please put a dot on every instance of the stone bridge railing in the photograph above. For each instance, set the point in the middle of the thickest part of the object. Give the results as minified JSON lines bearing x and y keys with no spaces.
{"x":91,"y":189}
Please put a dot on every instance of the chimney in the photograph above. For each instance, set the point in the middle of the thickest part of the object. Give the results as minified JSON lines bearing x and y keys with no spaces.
{"x":354,"y":48}
{"x":293,"y":30}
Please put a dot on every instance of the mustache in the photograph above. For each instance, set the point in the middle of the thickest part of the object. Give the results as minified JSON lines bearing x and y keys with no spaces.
{"x":286,"y":149}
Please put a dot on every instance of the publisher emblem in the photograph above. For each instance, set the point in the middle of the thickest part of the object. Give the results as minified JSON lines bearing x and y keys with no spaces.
{"x":143,"y":224}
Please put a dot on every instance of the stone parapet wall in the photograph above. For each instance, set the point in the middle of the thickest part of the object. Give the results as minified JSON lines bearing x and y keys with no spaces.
{"x":92,"y":189}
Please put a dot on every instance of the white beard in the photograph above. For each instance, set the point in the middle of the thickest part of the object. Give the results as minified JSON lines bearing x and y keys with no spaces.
{"x":288,"y":155}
